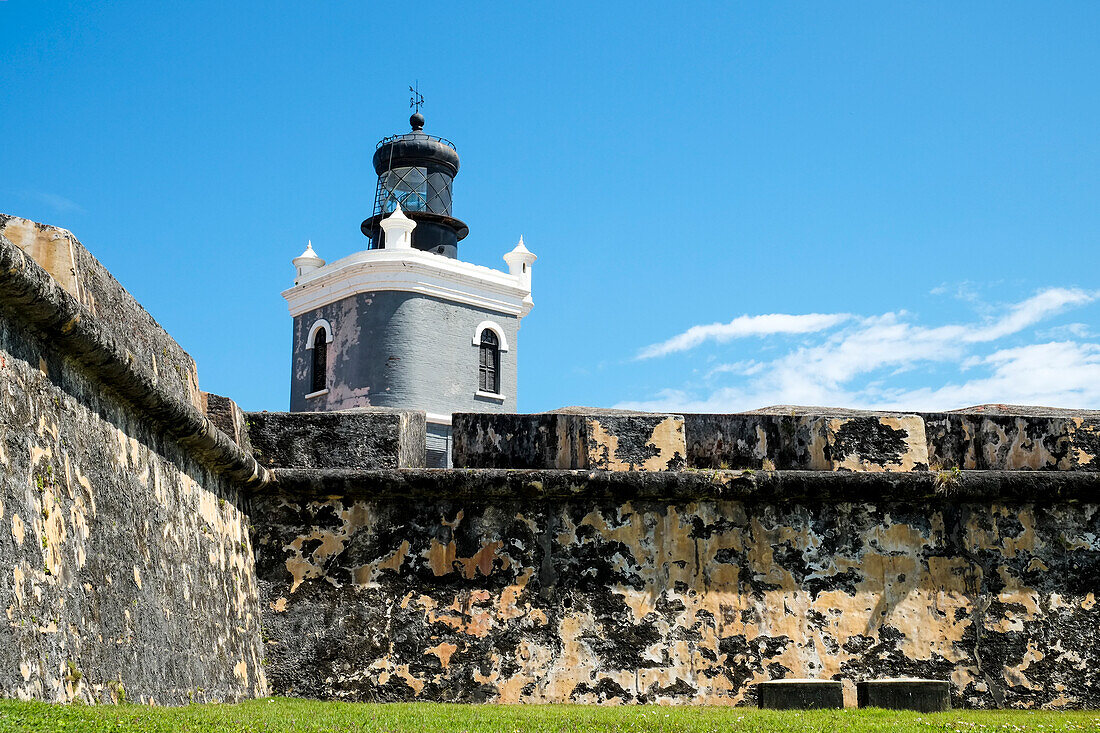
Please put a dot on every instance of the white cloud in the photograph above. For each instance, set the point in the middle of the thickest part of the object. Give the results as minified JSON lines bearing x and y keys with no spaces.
{"x":1067,"y":331}
{"x":744,"y":368}
{"x":60,"y":204}
{"x":1055,"y":374}
{"x":964,"y":290}
{"x":742,"y":326}
{"x":1031,"y":311}
{"x":853,"y":367}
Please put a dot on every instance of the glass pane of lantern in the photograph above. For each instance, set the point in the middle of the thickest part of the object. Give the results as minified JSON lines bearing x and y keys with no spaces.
{"x":409,"y":186}
{"x":439,"y":193}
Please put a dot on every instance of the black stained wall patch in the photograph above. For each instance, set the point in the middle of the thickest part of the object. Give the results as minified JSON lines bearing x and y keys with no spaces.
{"x":870,"y":439}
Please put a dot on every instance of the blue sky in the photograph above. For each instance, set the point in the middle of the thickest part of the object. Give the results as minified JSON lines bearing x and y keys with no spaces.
{"x":866,"y":204}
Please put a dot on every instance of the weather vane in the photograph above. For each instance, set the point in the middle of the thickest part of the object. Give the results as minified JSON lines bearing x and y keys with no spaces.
{"x":417,"y":99}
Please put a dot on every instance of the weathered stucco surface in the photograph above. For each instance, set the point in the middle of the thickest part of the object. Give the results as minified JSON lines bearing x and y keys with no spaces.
{"x":807,"y":441}
{"x":987,"y":437}
{"x":127,"y":570}
{"x":608,"y":440}
{"x":555,"y":586}
{"x":1042,"y":440}
{"x":373,"y":437}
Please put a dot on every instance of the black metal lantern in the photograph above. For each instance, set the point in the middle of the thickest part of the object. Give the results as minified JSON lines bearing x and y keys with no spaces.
{"x":416,"y":172}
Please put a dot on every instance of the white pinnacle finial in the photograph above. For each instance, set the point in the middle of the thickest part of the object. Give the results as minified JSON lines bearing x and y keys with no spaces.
{"x":519,"y":264}
{"x":398,"y":229}
{"x":308,"y":261}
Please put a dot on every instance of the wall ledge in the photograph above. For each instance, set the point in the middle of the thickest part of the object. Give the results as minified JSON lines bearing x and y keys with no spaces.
{"x":1040,"y":487}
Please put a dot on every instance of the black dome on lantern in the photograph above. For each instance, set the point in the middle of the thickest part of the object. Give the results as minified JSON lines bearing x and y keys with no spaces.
{"x":416,"y":171}
{"x":416,"y":147}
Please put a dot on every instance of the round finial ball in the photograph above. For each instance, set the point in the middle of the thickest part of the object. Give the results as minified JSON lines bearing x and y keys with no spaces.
{"x":417,"y":121}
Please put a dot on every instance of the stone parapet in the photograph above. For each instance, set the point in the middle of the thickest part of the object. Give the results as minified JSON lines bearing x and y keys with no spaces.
{"x":1014,"y":438}
{"x":807,"y":441}
{"x":605,"y":440}
{"x":988,"y":437}
{"x":227,"y":417}
{"x":73,"y":269}
{"x":104,"y":344}
{"x":373,"y":438}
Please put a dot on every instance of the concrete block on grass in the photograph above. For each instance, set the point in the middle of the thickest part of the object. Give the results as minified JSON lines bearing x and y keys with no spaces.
{"x":800,"y":694}
{"x":925,"y":696}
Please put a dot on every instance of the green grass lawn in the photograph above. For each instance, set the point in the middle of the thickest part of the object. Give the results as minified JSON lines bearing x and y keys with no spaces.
{"x":277,"y":715}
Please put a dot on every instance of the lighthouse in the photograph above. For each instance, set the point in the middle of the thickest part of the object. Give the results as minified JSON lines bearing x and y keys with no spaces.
{"x":416,"y":173}
{"x":405,"y":323}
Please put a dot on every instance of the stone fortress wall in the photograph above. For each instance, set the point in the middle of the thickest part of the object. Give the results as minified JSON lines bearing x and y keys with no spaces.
{"x":128,"y":570}
{"x":169,"y":547}
{"x":610,"y":568}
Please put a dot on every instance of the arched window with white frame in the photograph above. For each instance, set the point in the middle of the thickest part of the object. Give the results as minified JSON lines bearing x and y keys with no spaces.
{"x":320,"y":336}
{"x":490,"y":341}
{"x":489,"y":362}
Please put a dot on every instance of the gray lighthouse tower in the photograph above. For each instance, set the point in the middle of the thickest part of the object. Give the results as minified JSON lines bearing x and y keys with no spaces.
{"x":405,"y":323}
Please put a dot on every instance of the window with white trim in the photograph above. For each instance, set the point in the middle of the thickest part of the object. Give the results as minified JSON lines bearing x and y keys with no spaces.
{"x":319,"y":373}
{"x":489,"y":362}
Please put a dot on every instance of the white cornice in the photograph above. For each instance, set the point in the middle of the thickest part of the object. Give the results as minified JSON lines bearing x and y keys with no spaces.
{"x":413,"y":271}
